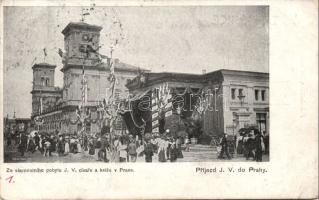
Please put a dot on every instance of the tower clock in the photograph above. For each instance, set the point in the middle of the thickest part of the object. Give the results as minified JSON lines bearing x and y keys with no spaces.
{"x":81,"y":43}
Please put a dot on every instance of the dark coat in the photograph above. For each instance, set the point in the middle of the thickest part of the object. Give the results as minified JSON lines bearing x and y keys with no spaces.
{"x":224,"y":142}
{"x":148,"y":150}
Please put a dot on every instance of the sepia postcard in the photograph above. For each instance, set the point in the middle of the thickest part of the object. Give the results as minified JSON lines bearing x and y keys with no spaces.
{"x":159,"y":99}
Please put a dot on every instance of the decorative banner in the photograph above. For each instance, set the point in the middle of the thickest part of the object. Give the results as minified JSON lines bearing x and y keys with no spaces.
{"x":169,"y":113}
{"x":154,"y":123}
{"x":155,"y":115}
{"x":169,"y":105}
{"x":156,"y":130}
{"x":161,"y":105}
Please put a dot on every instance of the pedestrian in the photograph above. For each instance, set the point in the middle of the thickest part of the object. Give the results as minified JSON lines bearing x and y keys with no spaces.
{"x":123,"y":150}
{"x":104,"y":146}
{"x":187,"y":144}
{"x":250,"y":147}
{"x":173,"y":152}
{"x":67,"y":145}
{"x":31,"y":145}
{"x":116,"y":144}
{"x":224,"y":145}
{"x":91,"y":146}
{"x":161,"y":150}
{"x":60,"y":146}
{"x":259,"y":143}
{"x":85,"y":142}
{"x":47,"y":146}
{"x":132,"y":150}
{"x":72,"y":143}
{"x":37,"y":141}
{"x":266,"y":142}
{"x":148,"y":151}
{"x":23,"y":142}
{"x":78,"y":146}
{"x":53,"y":142}
{"x":42,"y":146}
{"x":179,"y":147}
{"x":169,"y":142}
{"x":8,"y":140}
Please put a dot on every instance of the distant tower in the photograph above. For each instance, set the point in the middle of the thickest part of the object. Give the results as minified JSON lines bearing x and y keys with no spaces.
{"x":81,"y":44}
{"x":43,"y":91}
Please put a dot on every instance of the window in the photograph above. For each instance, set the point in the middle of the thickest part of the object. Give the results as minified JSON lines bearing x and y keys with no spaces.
{"x":256,"y":94}
{"x":47,"y":82}
{"x":240,"y":91}
{"x":261,"y":122}
{"x":42,"y":81}
{"x":233,"y":93}
{"x":263,"y":92}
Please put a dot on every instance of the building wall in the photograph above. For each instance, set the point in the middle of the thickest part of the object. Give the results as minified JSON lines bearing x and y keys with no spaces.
{"x":98,"y":84}
{"x":39,"y":73}
{"x":239,"y":114}
{"x":226,"y":112}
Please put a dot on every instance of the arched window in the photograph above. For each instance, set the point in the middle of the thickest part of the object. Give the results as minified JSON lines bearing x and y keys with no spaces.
{"x":42,"y":81}
{"x":47,"y":82}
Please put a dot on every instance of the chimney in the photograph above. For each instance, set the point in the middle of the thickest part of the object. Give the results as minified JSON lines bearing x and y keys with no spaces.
{"x":203,"y":71}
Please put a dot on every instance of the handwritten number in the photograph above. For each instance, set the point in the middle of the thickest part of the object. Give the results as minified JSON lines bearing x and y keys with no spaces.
{"x":10,"y":179}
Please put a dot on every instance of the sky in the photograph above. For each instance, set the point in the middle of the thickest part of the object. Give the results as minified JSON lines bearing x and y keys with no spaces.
{"x":185,"y":39}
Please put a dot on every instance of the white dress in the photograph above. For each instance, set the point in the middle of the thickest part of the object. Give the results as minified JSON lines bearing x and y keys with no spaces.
{"x":67,"y":148}
{"x":79,"y":148}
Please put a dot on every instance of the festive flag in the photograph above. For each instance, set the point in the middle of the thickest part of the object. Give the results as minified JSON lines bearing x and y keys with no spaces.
{"x":169,"y":105}
{"x":154,"y":115}
{"x":169,"y":113}
{"x":45,"y":52}
{"x":103,"y":56}
{"x":154,"y":123}
{"x":155,"y":130}
{"x":60,"y":53}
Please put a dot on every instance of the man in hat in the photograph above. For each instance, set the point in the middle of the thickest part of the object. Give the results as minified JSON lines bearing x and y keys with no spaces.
{"x":23,"y":141}
{"x":258,"y":146}
{"x":224,"y":145}
{"x":37,"y":141}
{"x":148,"y":151}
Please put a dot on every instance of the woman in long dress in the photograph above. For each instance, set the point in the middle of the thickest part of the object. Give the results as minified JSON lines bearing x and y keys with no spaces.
{"x":67,"y":147}
{"x":78,"y":146}
{"x":91,"y":146}
{"x":123,"y":153}
{"x":179,"y":148}
{"x":161,"y":150}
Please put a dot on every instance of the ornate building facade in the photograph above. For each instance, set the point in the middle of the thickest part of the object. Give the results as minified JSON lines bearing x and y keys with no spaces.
{"x":85,"y":83}
{"x":223,"y":100}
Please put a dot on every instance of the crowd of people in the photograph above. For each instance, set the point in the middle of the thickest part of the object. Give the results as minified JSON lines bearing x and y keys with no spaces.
{"x":127,"y":148}
{"x":252,"y":144}
{"x":108,"y":147}
{"x":104,"y":147}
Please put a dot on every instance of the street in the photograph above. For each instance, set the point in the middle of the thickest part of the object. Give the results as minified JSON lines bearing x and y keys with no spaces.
{"x":197,"y":153}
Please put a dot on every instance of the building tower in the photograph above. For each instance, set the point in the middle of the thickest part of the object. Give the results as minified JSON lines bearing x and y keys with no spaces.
{"x":81,"y":40}
{"x":44,"y":94}
{"x":81,"y":45}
